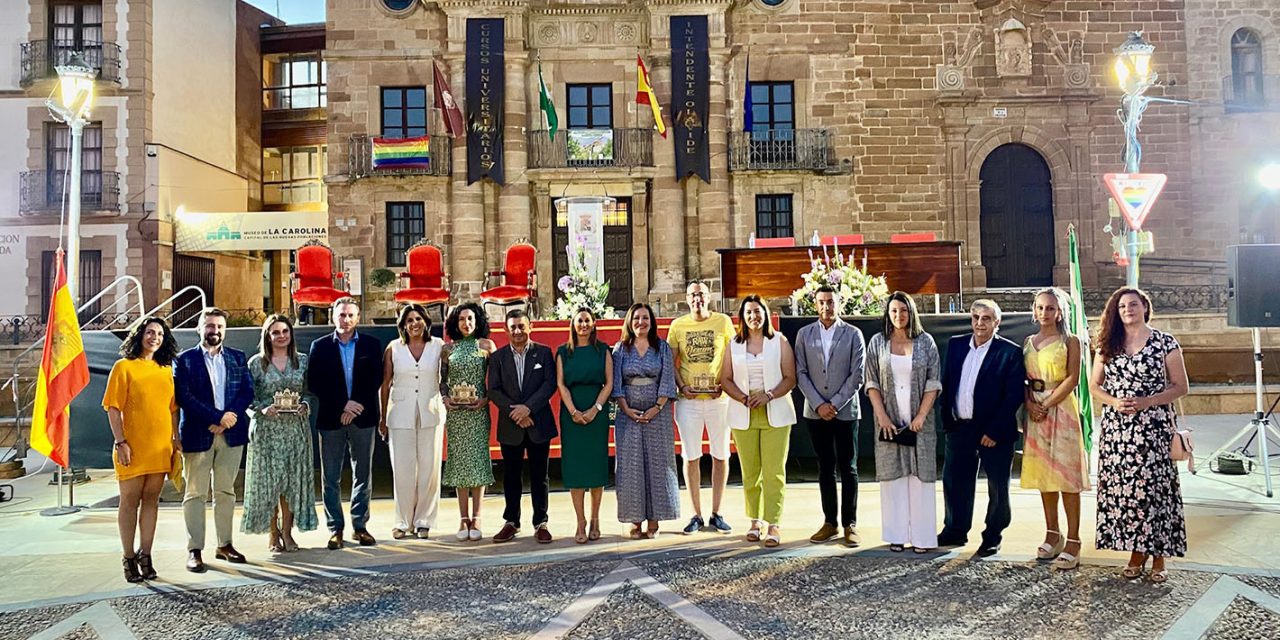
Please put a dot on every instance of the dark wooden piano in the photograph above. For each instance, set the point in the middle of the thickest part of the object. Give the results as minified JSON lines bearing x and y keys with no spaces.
{"x":918,"y":268}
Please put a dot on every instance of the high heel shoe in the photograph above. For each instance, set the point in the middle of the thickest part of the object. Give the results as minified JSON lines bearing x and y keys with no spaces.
{"x":1067,"y":561}
{"x":581,"y":536}
{"x":131,"y":570}
{"x":146,"y":568}
{"x":289,"y":545}
{"x":1048,"y":551}
{"x":594,"y":532}
{"x":1133,"y":572}
{"x":464,"y":530}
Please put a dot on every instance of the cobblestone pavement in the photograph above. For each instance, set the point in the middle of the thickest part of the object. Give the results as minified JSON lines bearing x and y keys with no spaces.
{"x":796,"y":593}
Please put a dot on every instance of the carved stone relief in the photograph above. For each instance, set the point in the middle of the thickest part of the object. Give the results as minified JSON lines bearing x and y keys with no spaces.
{"x":556,"y":30}
{"x":955,"y":57}
{"x":1075,"y":71}
{"x":1013,"y":50}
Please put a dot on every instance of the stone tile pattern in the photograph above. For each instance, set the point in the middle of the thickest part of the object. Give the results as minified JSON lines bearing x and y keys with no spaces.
{"x":1245,"y":620}
{"x":627,"y":610}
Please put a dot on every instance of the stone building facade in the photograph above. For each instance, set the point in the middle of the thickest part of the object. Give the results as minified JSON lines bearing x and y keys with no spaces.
{"x":174,"y":124}
{"x":985,"y":121}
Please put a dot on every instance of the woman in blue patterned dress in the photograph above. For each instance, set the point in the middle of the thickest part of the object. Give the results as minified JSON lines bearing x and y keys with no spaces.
{"x":278,"y":471}
{"x":463,"y":361}
{"x":644,"y":386}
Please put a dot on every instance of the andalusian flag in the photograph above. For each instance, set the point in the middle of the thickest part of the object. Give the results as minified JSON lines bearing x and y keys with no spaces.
{"x":548,"y":107}
{"x":64,"y":372}
{"x":644,"y":95}
{"x":1080,"y":327}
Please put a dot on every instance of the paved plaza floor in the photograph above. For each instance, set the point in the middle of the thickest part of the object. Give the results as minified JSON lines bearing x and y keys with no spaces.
{"x":60,"y":578}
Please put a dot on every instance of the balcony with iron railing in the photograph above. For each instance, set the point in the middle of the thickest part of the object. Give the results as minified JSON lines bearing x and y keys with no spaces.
{"x":360,"y":159}
{"x":1242,"y":93}
{"x":41,"y":191}
{"x":39,"y":59}
{"x":591,"y":148}
{"x":781,"y":150}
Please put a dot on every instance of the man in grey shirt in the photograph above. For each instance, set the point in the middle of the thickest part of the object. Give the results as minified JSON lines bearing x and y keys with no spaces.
{"x":829,"y":367}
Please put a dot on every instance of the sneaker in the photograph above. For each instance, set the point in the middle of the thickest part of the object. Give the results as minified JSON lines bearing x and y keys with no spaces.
{"x":719,"y":524}
{"x":695,"y":525}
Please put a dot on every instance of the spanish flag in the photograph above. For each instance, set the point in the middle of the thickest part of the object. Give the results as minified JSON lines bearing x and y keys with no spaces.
{"x":644,"y":95}
{"x":64,"y":372}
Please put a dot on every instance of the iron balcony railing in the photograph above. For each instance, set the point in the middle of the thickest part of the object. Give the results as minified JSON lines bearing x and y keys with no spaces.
{"x":1251,"y":92}
{"x":41,"y":191}
{"x":40,"y":57}
{"x":780,"y":150}
{"x":571,"y":148}
{"x":360,"y":159}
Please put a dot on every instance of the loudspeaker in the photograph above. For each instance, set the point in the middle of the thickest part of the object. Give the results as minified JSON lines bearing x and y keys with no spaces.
{"x":1253,"y":285}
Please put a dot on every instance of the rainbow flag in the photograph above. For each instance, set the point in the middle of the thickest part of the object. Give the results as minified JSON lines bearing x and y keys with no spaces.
{"x":402,"y":153}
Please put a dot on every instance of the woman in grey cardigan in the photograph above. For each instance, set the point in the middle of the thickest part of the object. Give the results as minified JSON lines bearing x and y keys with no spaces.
{"x":904,"y":377}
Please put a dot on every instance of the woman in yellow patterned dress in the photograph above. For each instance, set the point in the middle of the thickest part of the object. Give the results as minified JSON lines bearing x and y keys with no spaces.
{"x":1054,"y":460}
{"x":140,"y":409}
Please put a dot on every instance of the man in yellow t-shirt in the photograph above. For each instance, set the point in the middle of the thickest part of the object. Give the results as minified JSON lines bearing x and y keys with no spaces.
{"x":698,"y":342}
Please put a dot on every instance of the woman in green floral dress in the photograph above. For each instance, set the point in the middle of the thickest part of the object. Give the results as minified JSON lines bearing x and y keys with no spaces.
{"x":464,"y":361}
{"x":278,"y":473}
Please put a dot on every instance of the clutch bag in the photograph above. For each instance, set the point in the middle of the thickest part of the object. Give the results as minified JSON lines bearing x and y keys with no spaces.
{"x":902,"y":436}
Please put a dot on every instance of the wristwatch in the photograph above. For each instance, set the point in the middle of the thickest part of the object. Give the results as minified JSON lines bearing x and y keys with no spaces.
{"x":769,"y":393}
{"x":598,"y":407}
{"x":119,"y":442}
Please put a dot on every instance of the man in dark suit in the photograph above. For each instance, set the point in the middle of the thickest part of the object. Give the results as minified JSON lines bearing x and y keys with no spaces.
{"x":213,"y":390}
{"x":344,"y":371}
{"x":522,"y":379}
{"x":982,"y":390}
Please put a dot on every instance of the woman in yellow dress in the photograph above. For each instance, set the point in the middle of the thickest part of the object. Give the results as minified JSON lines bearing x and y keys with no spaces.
{"x":140,"y":408}
{"x":1054,"y":460}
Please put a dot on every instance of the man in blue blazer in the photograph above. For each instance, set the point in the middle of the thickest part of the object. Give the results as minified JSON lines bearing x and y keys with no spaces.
{"x":982,"y":389}
{"x":213,"y":389}
{"x":522,"y":380}
{"x":344,"y":372}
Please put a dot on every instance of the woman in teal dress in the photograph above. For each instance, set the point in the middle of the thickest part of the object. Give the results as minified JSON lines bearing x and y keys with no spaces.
{"x":584,"y":372}
{"x":278,"y":472}
{"x":463,"y":363}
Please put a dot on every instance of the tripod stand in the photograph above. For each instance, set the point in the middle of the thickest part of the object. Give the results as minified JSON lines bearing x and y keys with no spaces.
{"x":1260,"y":426}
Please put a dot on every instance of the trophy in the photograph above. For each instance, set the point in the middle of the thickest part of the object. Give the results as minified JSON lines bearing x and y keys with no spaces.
{"x":463,"y":393}
{"x":288,"y":401}
{"x":704,"y":383}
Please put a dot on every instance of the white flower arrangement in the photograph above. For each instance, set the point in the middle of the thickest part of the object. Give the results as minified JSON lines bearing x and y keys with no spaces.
{"x":580,"y":288}
{"x":860,"y":293}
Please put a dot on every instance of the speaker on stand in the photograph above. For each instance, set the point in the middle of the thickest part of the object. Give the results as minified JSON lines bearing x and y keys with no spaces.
{"x":1253,"y":302}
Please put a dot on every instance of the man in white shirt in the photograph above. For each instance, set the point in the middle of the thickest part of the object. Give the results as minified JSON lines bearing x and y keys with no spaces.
{"x":982,"y":389}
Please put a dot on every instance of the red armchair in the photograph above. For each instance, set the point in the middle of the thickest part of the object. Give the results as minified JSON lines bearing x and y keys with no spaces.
{"x":517,"y":283}
{"x":313,"y":282}
{"x":927,"y":236}
{"x":425,"y":281}
{"x":844,"y":240}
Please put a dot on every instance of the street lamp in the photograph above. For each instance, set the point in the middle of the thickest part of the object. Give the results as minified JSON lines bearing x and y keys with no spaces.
{"x":1134,"y":75}
{"x":1269,"y":176}
{"x":75,"y":79}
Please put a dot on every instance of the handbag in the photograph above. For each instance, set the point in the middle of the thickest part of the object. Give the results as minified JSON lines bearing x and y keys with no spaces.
{"x":1182,"y":448}
{"x":175,"y":472}
{"x":903,"y":436}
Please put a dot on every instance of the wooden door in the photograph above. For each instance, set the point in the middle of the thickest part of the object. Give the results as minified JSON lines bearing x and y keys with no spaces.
{"x":617,"y":250}
{"x":1017,"y":218}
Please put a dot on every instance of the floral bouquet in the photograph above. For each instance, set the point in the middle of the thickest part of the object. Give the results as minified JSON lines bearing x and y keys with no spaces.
{"x":580,"y":288}
{"x":861,"y":294}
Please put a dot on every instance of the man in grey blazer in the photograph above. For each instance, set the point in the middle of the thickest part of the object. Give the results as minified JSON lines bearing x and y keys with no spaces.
{"x":830,"y":354}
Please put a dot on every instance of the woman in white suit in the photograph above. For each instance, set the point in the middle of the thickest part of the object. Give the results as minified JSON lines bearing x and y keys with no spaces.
{"x":412,"y":421}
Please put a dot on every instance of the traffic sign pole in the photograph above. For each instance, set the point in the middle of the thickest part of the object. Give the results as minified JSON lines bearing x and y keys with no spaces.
{"x":1134,"y":193}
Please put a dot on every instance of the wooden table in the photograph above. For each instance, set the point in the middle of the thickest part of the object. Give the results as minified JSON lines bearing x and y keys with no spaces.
{"x":774,"y":272}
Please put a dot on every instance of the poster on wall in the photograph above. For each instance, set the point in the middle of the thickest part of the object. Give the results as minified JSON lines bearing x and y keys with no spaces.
{"x":586,"y":231}
{"x":248,"y":230}
{"x":691,"y":97}
{"x":485,"y":97}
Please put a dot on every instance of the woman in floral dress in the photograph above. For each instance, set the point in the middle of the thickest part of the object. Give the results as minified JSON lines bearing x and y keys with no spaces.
{"x":1137,"y":375}
{"x":278,"y":470}
{"x":463,"y":361}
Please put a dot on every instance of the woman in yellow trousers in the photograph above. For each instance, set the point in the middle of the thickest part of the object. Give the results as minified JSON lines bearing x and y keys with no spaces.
{"x":758,"y":375}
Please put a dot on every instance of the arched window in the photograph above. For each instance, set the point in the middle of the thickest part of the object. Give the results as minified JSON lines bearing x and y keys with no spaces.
{"x":1246,"y":68}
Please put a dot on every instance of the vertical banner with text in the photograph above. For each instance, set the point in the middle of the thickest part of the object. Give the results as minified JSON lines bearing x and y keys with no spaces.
{"x":690,"y":100}
{"x":486,"y":81}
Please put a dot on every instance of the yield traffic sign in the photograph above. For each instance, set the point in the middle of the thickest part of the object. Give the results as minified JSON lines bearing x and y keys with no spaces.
{"x":1135,"y":193}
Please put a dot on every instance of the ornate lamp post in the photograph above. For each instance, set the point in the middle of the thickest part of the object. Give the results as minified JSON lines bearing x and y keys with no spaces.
{"x":76,"y":83}
{"x":1134,"y":75}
